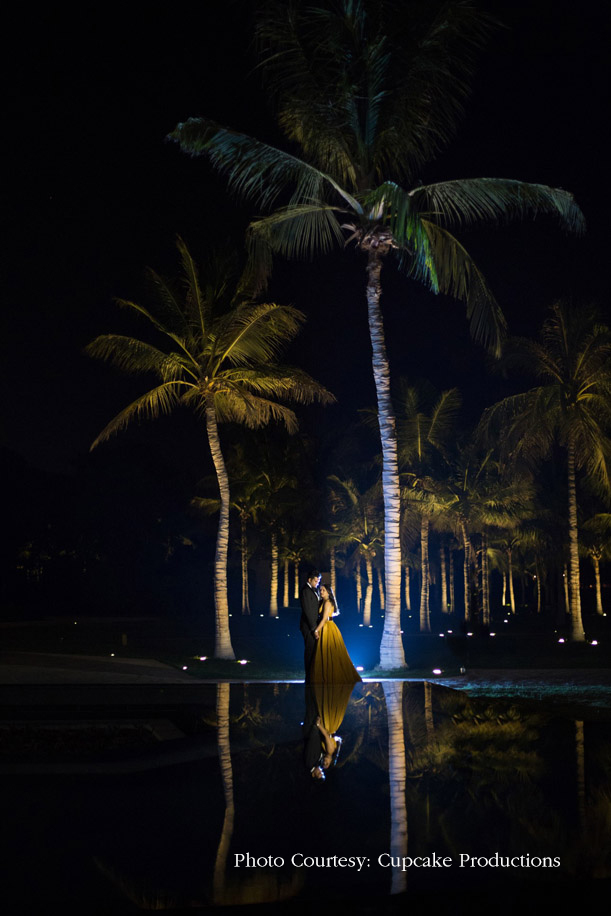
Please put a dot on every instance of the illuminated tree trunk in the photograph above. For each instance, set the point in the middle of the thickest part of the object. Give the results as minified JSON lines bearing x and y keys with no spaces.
{"x":393,"y":695}
{"x":452,"y":598}
{"x":244,"y":560}
{"x":485,"y":582}
{"x":425,"y":616}
{"x":224,"y":750}
{"x":504,"y":596}
{"x":222,"y":641}
{"x":391,"y":647}
{"x":359,"y":585}
{"x":538,"y":584}
{"x":512,"y":599}
{"x":444,"y":579}
{"x":368,"y":591}
{"x":581,"y":773}
{"x":428,"y":712}
{"x":466,"y":569}
{"x":273,"y":600}
{"x":408,"y":600}
{"x":332,"y":571}
{"x":577,"y":631}
{"x":285,"y":584}
{"x":565,"y":582}
{"x":380,"y":577}
{"x":599,"y":597}
{"x":296,"y":580}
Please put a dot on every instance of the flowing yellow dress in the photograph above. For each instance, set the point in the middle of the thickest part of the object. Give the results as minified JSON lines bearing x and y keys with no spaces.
{"x":332,"y":663}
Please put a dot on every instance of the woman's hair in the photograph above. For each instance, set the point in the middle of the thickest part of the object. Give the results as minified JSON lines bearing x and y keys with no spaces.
{"x":331,"y":596}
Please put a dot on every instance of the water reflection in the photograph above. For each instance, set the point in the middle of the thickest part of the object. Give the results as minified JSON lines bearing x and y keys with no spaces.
{"x":494,"y":793}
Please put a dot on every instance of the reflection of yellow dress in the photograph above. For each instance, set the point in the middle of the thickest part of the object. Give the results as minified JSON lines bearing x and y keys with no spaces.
{"x":331,"y":660}
{"x":332,"y":701}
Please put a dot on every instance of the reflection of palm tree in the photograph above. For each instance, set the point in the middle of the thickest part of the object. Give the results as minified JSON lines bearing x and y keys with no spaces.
{"x":219,"y":361}
{"x":393,"y":694}
{"x":224,"y":748}
{"x":365,"y":121}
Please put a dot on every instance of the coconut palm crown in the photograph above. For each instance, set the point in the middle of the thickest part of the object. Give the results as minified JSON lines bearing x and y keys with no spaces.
{"x":220,"y":360}
{"x":367,"y":93}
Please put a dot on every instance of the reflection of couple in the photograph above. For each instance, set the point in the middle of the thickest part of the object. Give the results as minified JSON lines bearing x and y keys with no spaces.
{"x":326,"y":658}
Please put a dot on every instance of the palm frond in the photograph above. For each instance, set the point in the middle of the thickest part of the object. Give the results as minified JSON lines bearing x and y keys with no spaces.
{"x":475,"y":200}
{"x":240,"y":406}
{"x":459,"y":276}
{"x":256,"y":333}
{"x":157,"y":401}
{"x":283,"y":382}
{"x":255,"y":170}
{"x":133,"y":355}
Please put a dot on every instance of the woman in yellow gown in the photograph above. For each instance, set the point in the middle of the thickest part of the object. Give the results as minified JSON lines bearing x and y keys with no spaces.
{"x":331,"y":662}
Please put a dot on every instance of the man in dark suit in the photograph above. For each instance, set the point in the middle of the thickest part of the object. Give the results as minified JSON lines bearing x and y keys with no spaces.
{"x":309,"y":599}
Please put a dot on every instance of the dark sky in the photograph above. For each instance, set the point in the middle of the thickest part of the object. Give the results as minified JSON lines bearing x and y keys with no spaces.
{"x":92,"y":194}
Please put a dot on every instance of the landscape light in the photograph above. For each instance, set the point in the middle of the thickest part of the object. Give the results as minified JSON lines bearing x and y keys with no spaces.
{"x":437,"y":671}
{"x":561,"y":639}
{"x":242,"y":661}
{"x":594,"y":642}
{"x":184,"y":667}
{"x":359,"y":668}
{"x":492,"y":634}
{"x":463,"y":670}
{"x":112,"y":654}
{"x":203,"y":658}
{"x":450,"y":631}
{"x":469,"y":634}
{"x":442,"y":634}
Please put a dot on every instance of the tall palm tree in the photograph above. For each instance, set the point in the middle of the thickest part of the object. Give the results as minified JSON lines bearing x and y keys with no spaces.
{"x":370,"y":95}
{"x":220,"y":360}
{"x":571,"y":406}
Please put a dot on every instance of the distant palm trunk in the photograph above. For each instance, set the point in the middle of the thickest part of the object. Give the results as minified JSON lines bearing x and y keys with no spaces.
{"x":577,"y":631}
{"x":359,"y":585}
{"x":332,"y":572}
{"x":428,"y":712}
{"x":512,"y":599}
{"x":580,"y":749}
{"x":466,"y":569}
{"x":391,"y":646}
{"x":244,"y":559}
{"x":565,"y":582}
{"x":393,"y":695}
{"x":368,"y":592}
{"x":452,"y":597}
{"x":504,"y":595}
{"x":538,"y":584}
{"x":380,"y":576}
{"x":285,"y":584}
{"x":408,"y":600}
{"x":224,"y":750}
{"x":444,"y":579}
{"x":485,"y":582}
{"x":425,"y":616}
{"x":223,"y":647}
{"x":599,"y":597}
{"x":296,"y":580}
{"x":273,"y":601}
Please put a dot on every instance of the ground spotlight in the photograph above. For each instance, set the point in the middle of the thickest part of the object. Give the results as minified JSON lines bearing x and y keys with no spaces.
{"x":561,"y":639}
{"x":594,"y":642}
{"x":203,"y":658}
{"x":242,"y":661}
{"x":437,"y":671}
{"x":359,"y":668}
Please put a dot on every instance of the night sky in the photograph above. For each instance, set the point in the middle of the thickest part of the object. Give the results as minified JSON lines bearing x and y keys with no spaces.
{"x":92,"y":194}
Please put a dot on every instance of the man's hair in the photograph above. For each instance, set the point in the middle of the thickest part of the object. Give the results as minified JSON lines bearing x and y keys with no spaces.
{"x":313,"y":574}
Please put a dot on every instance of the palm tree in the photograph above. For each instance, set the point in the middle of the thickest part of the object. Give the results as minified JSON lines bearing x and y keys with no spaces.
{"x":367,"y":120}
{"x":596,"y":544}
{"x":572,"y":406}
{"x":220,"y":360}
{"x":425,"y":424}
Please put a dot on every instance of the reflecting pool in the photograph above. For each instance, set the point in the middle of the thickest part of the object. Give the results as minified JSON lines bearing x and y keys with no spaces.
{"x":206,"y":796}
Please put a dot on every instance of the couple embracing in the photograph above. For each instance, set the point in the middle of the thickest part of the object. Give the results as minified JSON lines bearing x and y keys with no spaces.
{"x":326,"y":658}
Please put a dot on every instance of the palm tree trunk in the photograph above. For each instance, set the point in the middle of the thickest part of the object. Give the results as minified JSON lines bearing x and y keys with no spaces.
{"x":599,"y":597}
{"x":577,"y":631}
{"x":444,"y":579}
{"x":332,"y":571}
{"x":391,"y":646}
{"x":368,"y":592}
{"x":425,"y":617}
{"x":285,"y":584}
{"x":359,"y":585}
{"x":224,"y":749}
{"x":512,"y":599}
{"x":244,"y":558}
{"x":504,"y":595}
{"x":485,"y":583}
{"x":451,"y":590}
{"x":466,"y":569}
{"x":380,"y":576}
{"x":565,"y":582}
{"x":393,"y":695}
{"x":296,"y":580}
{"x":538,"y":583}
{"x":408,"y":600}
{"x":222,"y":641}
{"x":580,"y":749}
{"x":273,"y":598}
